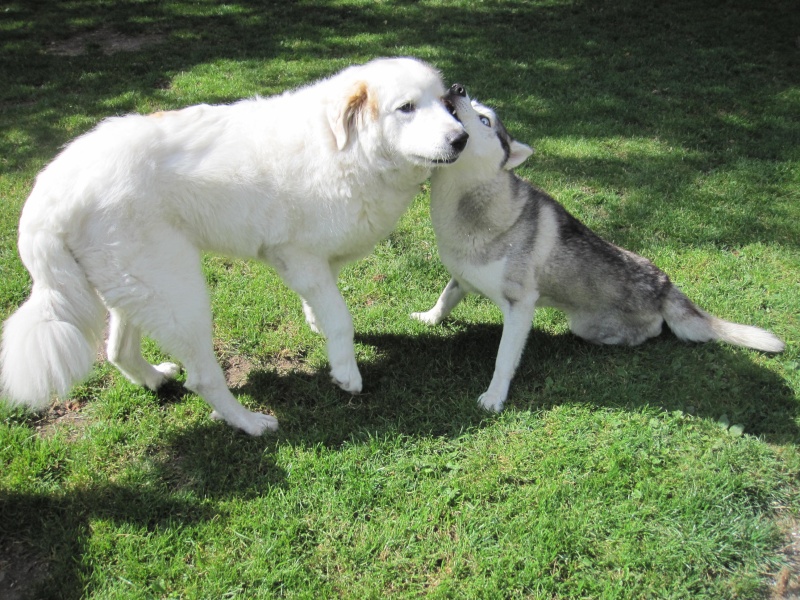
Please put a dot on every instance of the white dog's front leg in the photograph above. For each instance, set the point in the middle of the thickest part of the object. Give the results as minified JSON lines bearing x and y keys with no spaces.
{"x":452,"y":294}
{"x":311,"y":318}
{"x":315,"y":281}
{"x":517,"y":317}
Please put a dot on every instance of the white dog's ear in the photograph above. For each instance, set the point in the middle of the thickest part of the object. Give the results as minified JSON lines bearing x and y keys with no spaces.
{"x":345,"y":115}
{"x":518,"y":152}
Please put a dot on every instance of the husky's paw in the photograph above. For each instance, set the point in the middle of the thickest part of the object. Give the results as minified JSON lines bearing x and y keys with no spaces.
{"x":348,"y":380}
{"x":161,"y":374}
{"x":491,"y":402}
{"x":429,"y":317}
{"x":252,"y":423}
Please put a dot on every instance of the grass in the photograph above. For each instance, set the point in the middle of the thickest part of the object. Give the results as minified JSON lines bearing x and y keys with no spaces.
{"x":667,"y":470}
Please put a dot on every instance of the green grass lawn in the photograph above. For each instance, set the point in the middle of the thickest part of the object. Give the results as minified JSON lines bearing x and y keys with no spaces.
{"x":663,"y":471}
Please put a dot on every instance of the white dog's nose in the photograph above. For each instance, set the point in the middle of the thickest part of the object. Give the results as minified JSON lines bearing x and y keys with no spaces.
{"x":459,"y":141}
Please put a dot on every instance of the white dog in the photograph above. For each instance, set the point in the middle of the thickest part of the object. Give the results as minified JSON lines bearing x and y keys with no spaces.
{"x":306,"y":181}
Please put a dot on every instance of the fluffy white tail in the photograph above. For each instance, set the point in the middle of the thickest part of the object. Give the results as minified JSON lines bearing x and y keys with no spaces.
{"x":51,"y":342}
{"x":688,"y":322}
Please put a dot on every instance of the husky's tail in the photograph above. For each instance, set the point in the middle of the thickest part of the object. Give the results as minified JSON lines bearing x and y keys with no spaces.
{"x":51,"y":342}
{"x":689,"y":322}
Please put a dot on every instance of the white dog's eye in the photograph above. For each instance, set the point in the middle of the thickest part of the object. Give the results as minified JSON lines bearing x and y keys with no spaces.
{"x":408,"y":107}
{"x":485,"y":121}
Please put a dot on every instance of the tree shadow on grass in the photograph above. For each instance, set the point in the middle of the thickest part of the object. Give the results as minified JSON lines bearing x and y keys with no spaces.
{"x":181,"y":488}
{"x":593,"y":70}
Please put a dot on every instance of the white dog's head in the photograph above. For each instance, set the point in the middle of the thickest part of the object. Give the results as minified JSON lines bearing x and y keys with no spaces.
{"x":395,"y":107}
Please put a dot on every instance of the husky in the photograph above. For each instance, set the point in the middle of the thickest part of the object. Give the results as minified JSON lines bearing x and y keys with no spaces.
{"x":503,"y":238}
{"x":306,"y":181}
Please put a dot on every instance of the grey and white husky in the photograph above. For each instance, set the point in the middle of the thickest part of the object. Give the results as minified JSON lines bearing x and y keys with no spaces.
{"x":509,"y":241}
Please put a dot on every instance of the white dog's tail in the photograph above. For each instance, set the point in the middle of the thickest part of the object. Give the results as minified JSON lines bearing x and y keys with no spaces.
{"x":689,"y":322}
{"x":50,"y":343}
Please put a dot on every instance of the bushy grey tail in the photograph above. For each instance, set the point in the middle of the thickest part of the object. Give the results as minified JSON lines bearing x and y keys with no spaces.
{"x":689,"y":322}
{"x":50,"y":343}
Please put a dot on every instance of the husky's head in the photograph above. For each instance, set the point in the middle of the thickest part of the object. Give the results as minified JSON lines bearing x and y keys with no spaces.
{"x":489,"y":142}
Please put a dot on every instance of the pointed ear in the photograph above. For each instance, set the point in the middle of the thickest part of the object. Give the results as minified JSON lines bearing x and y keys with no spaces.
{"x":349,"y":112}
{"x":518,"y":152}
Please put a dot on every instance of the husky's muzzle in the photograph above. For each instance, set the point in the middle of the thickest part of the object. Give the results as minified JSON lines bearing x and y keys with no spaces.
{"x":457,"y":141}
{"x":456,"y":91}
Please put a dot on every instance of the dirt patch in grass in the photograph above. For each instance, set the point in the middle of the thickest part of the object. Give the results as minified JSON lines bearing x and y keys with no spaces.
{"x":107,"y":40}
{"x":65,"y":417}
{"x":236,"y":368}
{"x":787,"y":582}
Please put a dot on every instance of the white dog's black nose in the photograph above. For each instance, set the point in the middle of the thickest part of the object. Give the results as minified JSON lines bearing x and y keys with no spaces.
{"x":458,"y":90}
{"x":459,"y":141}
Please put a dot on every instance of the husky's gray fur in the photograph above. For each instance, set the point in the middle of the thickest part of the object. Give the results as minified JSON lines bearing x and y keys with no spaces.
{"x":509,"y":241}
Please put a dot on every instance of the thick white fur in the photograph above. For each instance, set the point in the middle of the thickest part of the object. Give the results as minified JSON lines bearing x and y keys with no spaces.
{"x":306,"y":181}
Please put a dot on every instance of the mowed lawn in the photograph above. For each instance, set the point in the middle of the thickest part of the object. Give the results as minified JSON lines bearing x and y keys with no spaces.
{"x":664,"y":471}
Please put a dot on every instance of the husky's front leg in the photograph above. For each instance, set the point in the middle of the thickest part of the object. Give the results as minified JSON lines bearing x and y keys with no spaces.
{"x":453,"y":294}
{"x":517,"y":317}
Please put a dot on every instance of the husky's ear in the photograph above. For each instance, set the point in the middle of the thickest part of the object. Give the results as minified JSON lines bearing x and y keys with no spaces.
{"x":348,"y":113}
{"x":518,"y":152}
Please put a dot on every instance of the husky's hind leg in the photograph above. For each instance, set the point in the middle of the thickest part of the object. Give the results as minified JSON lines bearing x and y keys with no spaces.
{"x":452,"y":294}
{"x":517,"y":318}
{"x":615,"y":329}
{"x":125,"y":352}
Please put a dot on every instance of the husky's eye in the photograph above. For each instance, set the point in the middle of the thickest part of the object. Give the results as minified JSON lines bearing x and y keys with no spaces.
{"x":408,"y":107}
{"x":485,"y":121}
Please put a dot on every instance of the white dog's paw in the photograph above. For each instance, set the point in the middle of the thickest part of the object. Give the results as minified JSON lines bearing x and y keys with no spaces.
{"x":252,"y":423}
{"x":429,"y":317}
{"x":491,"y":402}
{"x":169,"y":370}
{"x":161,"y":374}
{"x":349,"y":380}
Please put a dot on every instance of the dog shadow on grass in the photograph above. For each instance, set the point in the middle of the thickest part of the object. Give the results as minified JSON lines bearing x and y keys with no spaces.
{"x":710,"y":381}
{"x":427,"y":384}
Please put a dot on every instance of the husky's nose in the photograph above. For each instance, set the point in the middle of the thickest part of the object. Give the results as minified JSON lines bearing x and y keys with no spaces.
{"x":458,"y":90}
{"x":459,"y":141}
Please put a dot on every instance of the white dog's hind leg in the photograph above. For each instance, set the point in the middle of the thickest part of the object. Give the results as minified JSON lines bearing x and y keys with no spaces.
{"x":125,"y":352}
{"x":517,"y":317}
{"x":167,"y":297}
{"x":315,"y":281}
{"x":189,"y":338}
{"x":452,"y":294}
{"x":206,"y":379}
